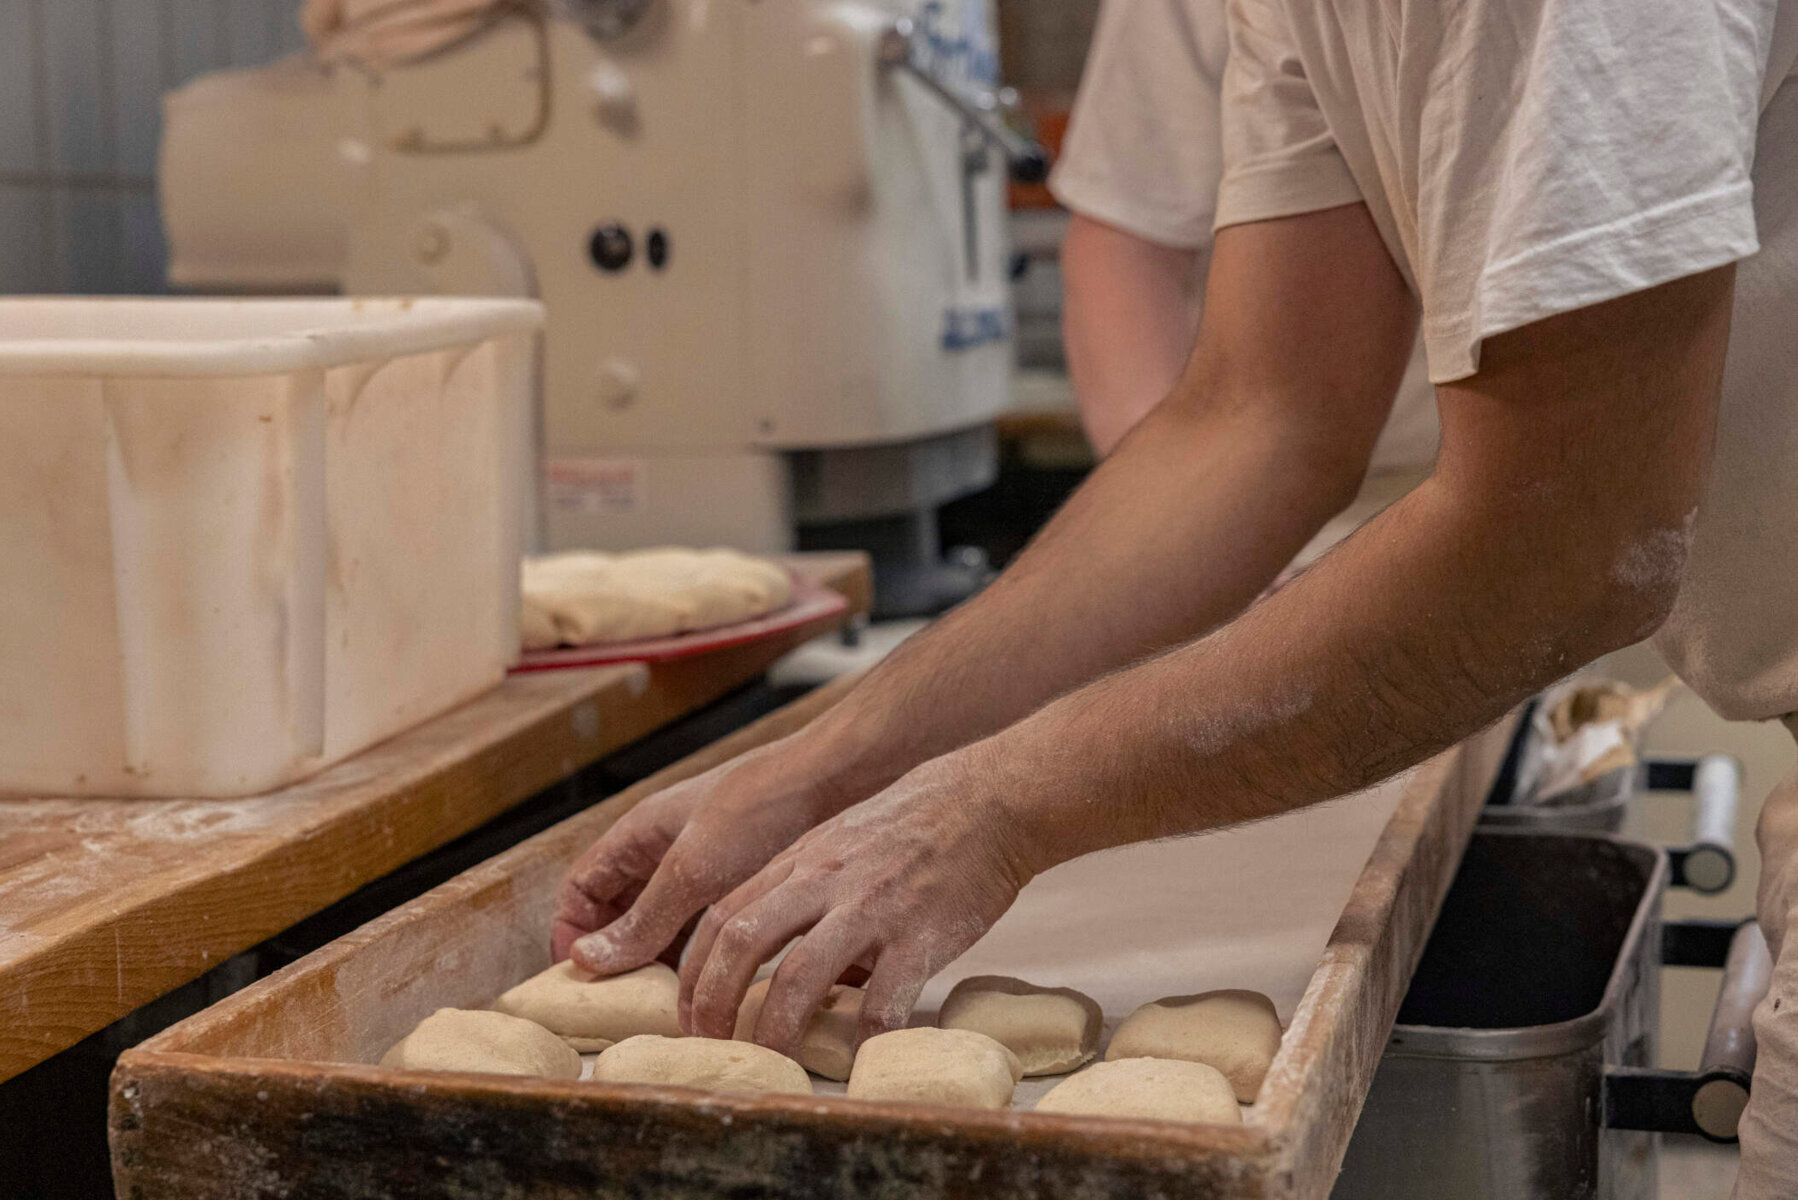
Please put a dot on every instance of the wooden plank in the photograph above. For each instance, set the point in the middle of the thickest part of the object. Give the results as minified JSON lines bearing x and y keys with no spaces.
{"x":108,"y":904}
{"x":267,"y":1090}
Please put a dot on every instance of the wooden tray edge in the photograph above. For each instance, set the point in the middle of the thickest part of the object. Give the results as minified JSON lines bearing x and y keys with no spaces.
{"x":1292,"y":1146}
{"x":1340,"y":1027}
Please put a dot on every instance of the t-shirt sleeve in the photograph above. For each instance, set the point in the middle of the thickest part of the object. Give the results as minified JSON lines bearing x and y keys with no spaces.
{"x":1279,"y":156}
{"x":1143,"y":149}
{"x":1597,"y":150}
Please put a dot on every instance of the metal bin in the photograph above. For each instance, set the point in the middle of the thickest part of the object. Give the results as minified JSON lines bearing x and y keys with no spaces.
{"x":1522,"y":1063}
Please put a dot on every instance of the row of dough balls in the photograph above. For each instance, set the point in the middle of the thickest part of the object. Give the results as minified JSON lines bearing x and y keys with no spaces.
{"x":1181,"y":1058}
{"x":1188,"y":1058}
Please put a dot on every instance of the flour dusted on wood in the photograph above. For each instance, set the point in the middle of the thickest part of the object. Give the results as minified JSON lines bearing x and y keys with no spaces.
{"x":586,"y":596}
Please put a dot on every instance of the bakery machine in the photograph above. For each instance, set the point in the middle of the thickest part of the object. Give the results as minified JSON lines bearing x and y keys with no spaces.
{"x":770,"y":236}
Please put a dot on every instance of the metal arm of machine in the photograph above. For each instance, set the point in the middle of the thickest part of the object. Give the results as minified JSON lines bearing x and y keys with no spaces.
{"x":1026,"y":159}
{"x":1710,"y":1100}
{"x":1708,"y":865}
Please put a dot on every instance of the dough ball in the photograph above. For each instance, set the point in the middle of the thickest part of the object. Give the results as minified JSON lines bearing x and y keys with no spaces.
{"x":591,"y":1014}
{"x":1051,"y":1030}
{"x":537,"y":625}
{"x":709,"y":1063}
{"x":488,"y":1043}
{"x":935,"y":1066}
{"x":596,"y":597}
{"x":1159,"y":1089}
{"x":828,"y":1048}
{"x":1234,"y":1031}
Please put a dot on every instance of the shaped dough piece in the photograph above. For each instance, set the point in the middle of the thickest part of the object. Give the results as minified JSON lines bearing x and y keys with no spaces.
{"x":537,"y":624}
{"x":828,"y":1047}
{"x":1051,"y":1030}
{"x":1158,"y":1089}
{"x":591,"y":1014}
{"x":935,"y":1066}
{"x":489,"y":1043}
{"x":1234,"y":1031}
{"x":710,"y":1063}
{"x":595,"y":597}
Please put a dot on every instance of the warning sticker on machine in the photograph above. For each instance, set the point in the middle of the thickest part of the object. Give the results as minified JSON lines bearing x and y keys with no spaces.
{"x":597,"y":485}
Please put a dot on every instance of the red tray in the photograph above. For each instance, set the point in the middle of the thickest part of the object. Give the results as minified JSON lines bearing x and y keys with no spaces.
{"x":811,"y":601}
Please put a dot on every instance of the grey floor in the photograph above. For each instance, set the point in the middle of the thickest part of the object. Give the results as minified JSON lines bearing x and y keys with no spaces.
{"x":1694,"y":1169}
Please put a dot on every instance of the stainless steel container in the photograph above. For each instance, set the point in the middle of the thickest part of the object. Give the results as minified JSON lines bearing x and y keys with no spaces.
{"x":1542,"y":972}
{"x":1599,"y":806}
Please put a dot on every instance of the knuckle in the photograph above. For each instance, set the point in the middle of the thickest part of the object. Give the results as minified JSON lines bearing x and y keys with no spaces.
{"x":709,"y":924}
{"x":736,"y":937}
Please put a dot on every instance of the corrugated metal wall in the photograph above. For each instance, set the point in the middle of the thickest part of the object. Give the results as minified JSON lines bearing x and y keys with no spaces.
{"x":80,"y":113}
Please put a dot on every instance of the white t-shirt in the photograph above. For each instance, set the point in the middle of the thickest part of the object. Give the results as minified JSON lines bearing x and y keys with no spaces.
{"x":1524,"y":158}
{"x":1144,"y":153}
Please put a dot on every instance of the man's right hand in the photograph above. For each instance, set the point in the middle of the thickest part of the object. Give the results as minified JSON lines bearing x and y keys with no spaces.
{"x":636,"y":892}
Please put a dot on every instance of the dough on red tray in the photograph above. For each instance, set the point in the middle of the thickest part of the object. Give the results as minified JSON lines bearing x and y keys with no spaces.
{"x":587,"y":596}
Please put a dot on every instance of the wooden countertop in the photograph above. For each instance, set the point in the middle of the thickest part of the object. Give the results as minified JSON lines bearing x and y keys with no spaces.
{"x":107,"y":904}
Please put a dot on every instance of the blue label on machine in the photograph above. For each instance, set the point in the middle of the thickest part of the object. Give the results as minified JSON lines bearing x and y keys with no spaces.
{"x":966,"y":328}
{"x":957,"y":43}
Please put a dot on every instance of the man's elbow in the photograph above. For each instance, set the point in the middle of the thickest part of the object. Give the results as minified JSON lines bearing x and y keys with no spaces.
{"x":1635,"y":589}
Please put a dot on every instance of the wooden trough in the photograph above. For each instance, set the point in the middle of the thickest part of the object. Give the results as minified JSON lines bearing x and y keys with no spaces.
{"x":267,"y":1094}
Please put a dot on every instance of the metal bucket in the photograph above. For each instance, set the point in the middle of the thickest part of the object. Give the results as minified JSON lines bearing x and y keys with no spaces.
{"x":1542,"y":972}
{"x":1714,"y":782}
{"x":1596,"y":807}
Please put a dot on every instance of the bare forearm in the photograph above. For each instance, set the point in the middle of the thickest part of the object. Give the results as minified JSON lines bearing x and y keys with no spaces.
{"x":1167,"y":541}
{"x":1553,"y":531}
{"x":1419,"y":631}
{"x":1203,"y":504}
{"x":1129,"y":318}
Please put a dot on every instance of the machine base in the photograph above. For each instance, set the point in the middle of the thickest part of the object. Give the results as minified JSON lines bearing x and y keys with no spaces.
{"x":912,"y":576}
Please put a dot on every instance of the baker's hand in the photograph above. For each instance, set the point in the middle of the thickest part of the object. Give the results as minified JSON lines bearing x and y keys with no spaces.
{"x":629,"y":898}
{"x":906,"y":881}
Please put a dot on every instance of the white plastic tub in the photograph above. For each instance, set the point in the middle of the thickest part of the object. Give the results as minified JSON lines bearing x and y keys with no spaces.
{"x":241,"y":540}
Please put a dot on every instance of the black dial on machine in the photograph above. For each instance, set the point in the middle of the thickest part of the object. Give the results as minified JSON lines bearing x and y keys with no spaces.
{"x":610,"y":247}
{"x":606,"y":19}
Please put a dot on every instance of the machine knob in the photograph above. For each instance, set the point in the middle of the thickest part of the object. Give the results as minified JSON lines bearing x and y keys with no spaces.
{"x":614,"y":98}
{"x":1031,"y":165}
{"x":618,"y":383}
{"x":607,"y":19}
{"x":610,"y":247}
